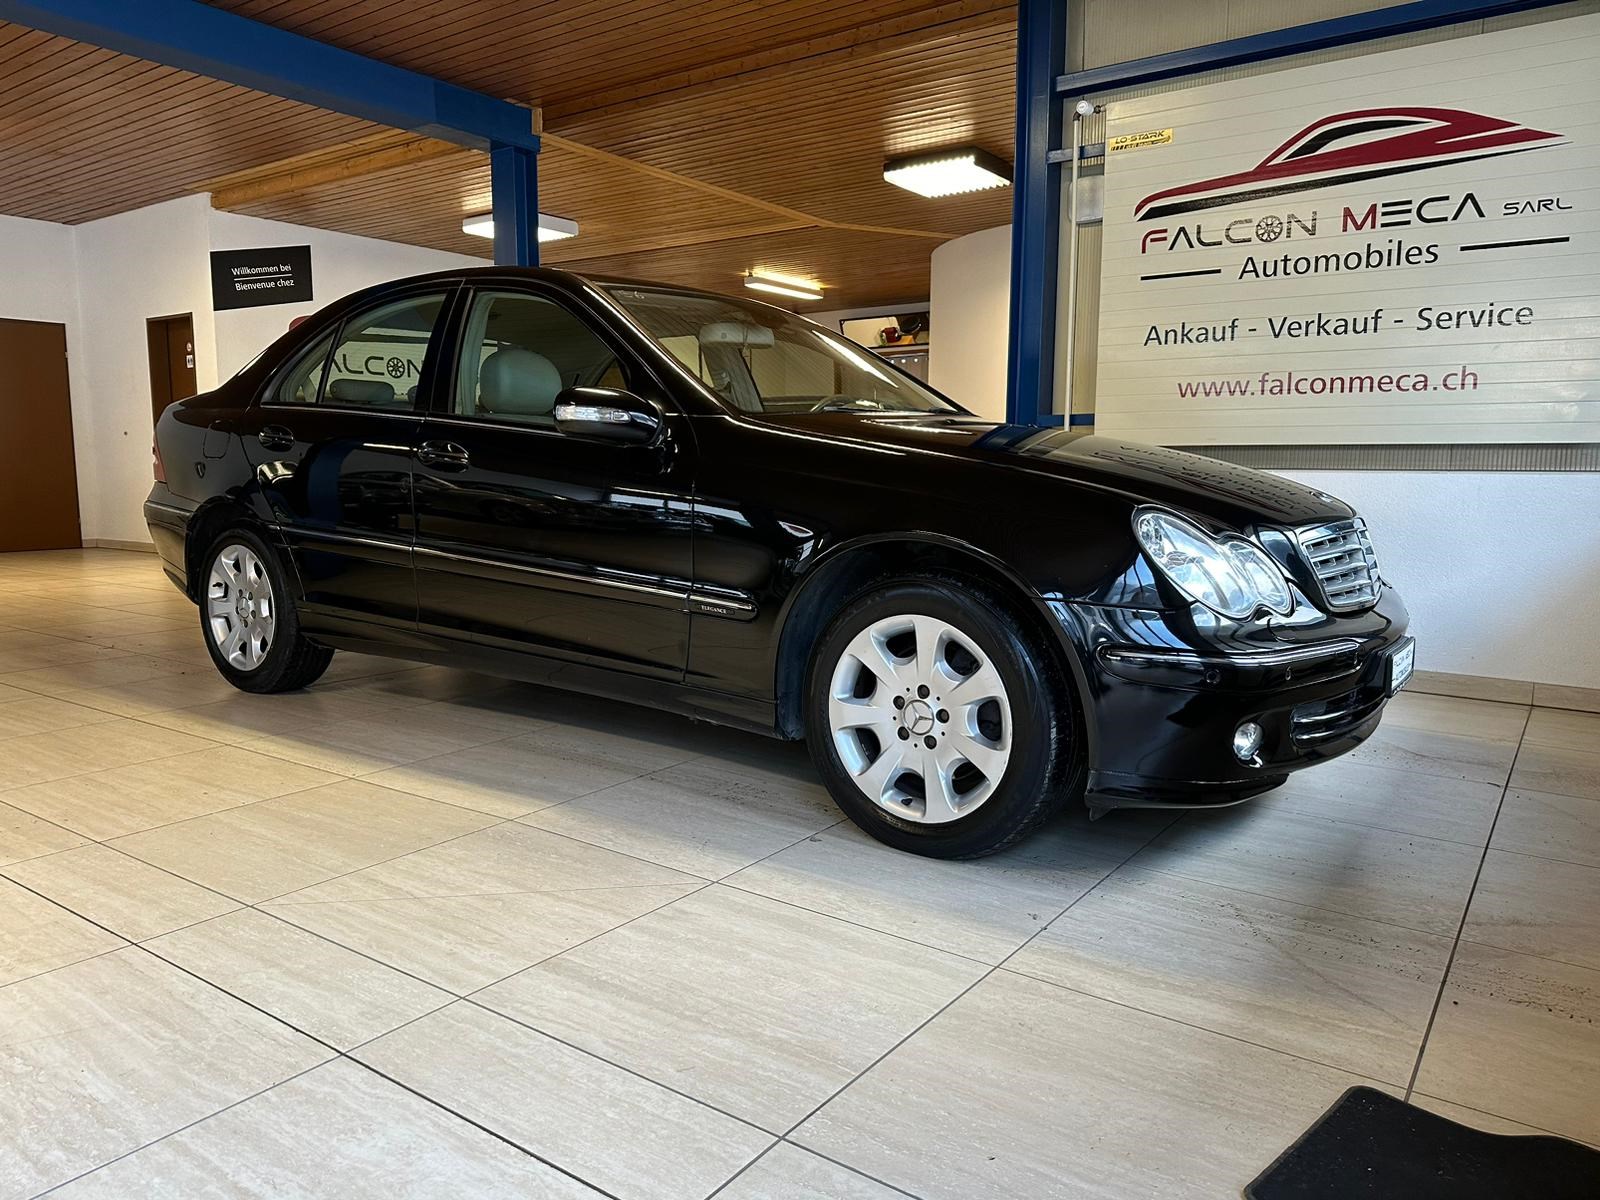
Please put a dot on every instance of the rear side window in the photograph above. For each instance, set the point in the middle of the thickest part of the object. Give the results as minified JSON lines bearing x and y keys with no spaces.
{"x":374,"y":362}
{"x":377,"y":361}
{"x":303,"y":383}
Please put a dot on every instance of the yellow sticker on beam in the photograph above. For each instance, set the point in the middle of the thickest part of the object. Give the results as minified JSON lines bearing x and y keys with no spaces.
{"x":1138,"y":141}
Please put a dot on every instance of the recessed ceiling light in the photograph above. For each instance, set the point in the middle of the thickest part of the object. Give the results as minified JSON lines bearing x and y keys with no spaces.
{"x":551,"y":229}
{"x":947,"y":172}
{"x":783,"y":285}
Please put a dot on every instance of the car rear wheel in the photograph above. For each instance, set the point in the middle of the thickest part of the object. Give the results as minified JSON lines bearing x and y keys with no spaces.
{"x":938,"y":722}
{"x":249,"y":622}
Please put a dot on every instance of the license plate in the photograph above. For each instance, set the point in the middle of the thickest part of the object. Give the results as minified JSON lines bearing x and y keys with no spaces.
{"x":1401,"y":663}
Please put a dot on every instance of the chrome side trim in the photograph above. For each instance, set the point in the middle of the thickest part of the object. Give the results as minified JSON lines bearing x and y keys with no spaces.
{"x":679,"y":594}
{"x":185,"y":513}
{"x":706,"y":603}
{"x":1254,"y":658}
{"x":300,"y":533}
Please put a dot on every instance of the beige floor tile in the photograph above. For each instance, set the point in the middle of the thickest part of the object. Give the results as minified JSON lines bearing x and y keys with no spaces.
{"x":1537,"y":906}
{"x":124,"y":800}
{"x":23,"y":835}
{"x":386,"y":739}
{"x":41,"y":757}
{"x":1402,"y":879}
{"x":276,"y":846}
{"x":1429,"y":752}
{"x":1550,"y":826}
{"x":474,"y":910}
{"x":1562,"y":770}
{"x":45,"y":714}
{"x":145,"y":696}
{"x":756,"y":1007}
{"x":127,"y":896}
{"x":1556,"y":695}
{"x":621,"y":1133}
{"x":331,"y":993}
{"x":1478,"y":719}
{"x":1472,"y":687}
{"x":1564,"y":730}
{"x":1350,"y":993}
{"x":517,"y":776}
{"x":100,"y":672}
{"x":1520,"y":1037}
{"x":704,"y":816}
{"x":242,"y":717}
{"x":113,"y":1052}
{"x":1473,"y":1119}
{"x":339,"y":1130}
{"x":1434,"y":806}
{"x":786,"y":1172}
{"x":38,"y":936}
{"x":982,"y":910}
{"x":1075,"y":1098}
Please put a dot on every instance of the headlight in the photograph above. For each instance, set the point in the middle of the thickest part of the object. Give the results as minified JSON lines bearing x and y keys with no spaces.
{"x":1232,"y":576}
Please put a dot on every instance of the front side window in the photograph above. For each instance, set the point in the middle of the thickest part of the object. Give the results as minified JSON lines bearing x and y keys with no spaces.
{"x":520,"y":351}
{"x":377,"y":360}
{"x":757,"y":358}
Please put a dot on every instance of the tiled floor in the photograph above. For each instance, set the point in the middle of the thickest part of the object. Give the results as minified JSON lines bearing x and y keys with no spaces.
{"x":422,"y":933}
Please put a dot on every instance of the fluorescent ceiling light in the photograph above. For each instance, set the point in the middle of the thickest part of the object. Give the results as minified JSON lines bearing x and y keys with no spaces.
{"x":783,"y":285}
{"x":947,"y":172}
{"x":551,"y":229}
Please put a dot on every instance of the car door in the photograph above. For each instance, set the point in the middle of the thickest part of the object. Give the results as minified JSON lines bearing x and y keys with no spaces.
{"x":535,"y":539}
{"x":332,"y":442}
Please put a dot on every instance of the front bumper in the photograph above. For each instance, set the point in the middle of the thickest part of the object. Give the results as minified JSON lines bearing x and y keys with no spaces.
{"x":1166,"y":694}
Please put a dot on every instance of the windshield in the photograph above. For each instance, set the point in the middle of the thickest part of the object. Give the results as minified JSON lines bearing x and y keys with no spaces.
{"x":762,"y":359}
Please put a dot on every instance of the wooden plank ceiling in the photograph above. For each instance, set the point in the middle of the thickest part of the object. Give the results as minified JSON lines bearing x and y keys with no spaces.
{"x":692,"y":141}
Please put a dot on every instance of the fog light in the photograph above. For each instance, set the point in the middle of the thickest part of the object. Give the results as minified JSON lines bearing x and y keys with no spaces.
{"x":1246,"y":741}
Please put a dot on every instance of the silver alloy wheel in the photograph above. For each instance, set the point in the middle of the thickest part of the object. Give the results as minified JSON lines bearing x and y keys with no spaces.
{"x":920,"y":718}
{"x":240,"y":607}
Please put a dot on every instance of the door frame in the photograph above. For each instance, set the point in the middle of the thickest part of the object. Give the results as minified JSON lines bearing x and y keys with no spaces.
{"x":151,"y":325}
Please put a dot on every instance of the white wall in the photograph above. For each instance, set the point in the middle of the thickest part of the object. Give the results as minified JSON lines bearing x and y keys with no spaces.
{"x":1501,"y":570}
{"x":105,"y":278}
{"x":133,"y":266}
{"x":970,"y":298}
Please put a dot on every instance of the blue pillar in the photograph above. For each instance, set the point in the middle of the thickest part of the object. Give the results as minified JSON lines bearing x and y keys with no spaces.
{"x":1036,"y":210}
{"x":514,"y":186}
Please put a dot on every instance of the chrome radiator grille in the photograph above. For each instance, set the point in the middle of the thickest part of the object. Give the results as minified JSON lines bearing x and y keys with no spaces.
{"x":1340,"y":556}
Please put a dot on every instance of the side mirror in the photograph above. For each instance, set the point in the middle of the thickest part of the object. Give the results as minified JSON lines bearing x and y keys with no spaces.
{"x":609,"y":413}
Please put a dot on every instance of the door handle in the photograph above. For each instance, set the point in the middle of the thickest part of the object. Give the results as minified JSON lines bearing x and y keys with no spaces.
{"x":276,"y":437}
{"x":443,"y":456}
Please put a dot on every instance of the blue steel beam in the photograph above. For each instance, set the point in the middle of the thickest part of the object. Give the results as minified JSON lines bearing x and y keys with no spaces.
{"x":514,"y":187}
{"x":1035,"y":211}
{"x":220,"y":45}
{"x":1297,"y":39}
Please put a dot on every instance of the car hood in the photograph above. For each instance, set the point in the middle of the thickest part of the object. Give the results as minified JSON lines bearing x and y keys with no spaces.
{"x":1235,"y":496}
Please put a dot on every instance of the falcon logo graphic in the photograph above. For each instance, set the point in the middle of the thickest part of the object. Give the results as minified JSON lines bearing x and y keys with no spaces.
{"x":1353,"y":146}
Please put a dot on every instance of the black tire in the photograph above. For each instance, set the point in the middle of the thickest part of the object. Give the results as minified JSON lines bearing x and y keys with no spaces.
{"x":1046,"y":764}
{"x":290,"y":662}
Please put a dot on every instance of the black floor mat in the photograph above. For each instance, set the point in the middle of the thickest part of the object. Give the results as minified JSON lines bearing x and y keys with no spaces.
{"x":1370,"y":1145}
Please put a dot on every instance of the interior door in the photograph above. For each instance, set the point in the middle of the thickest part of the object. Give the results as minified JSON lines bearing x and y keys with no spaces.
{"x":533,"y":539}
{"x":38,"y":469}
{"x":332,"y":441}
{"x":172,"y":369}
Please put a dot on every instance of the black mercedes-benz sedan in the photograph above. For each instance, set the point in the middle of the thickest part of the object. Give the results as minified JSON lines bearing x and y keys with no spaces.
{"x":714,"y":506}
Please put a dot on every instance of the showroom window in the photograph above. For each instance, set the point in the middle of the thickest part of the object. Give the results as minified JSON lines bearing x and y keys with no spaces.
{"x":520,"y":351}
{"x":378,"y":359}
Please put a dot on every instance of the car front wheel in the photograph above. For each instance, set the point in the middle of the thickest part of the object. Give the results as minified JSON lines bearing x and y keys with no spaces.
{"x":938,"y":721}
{"x":248,"y":619}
